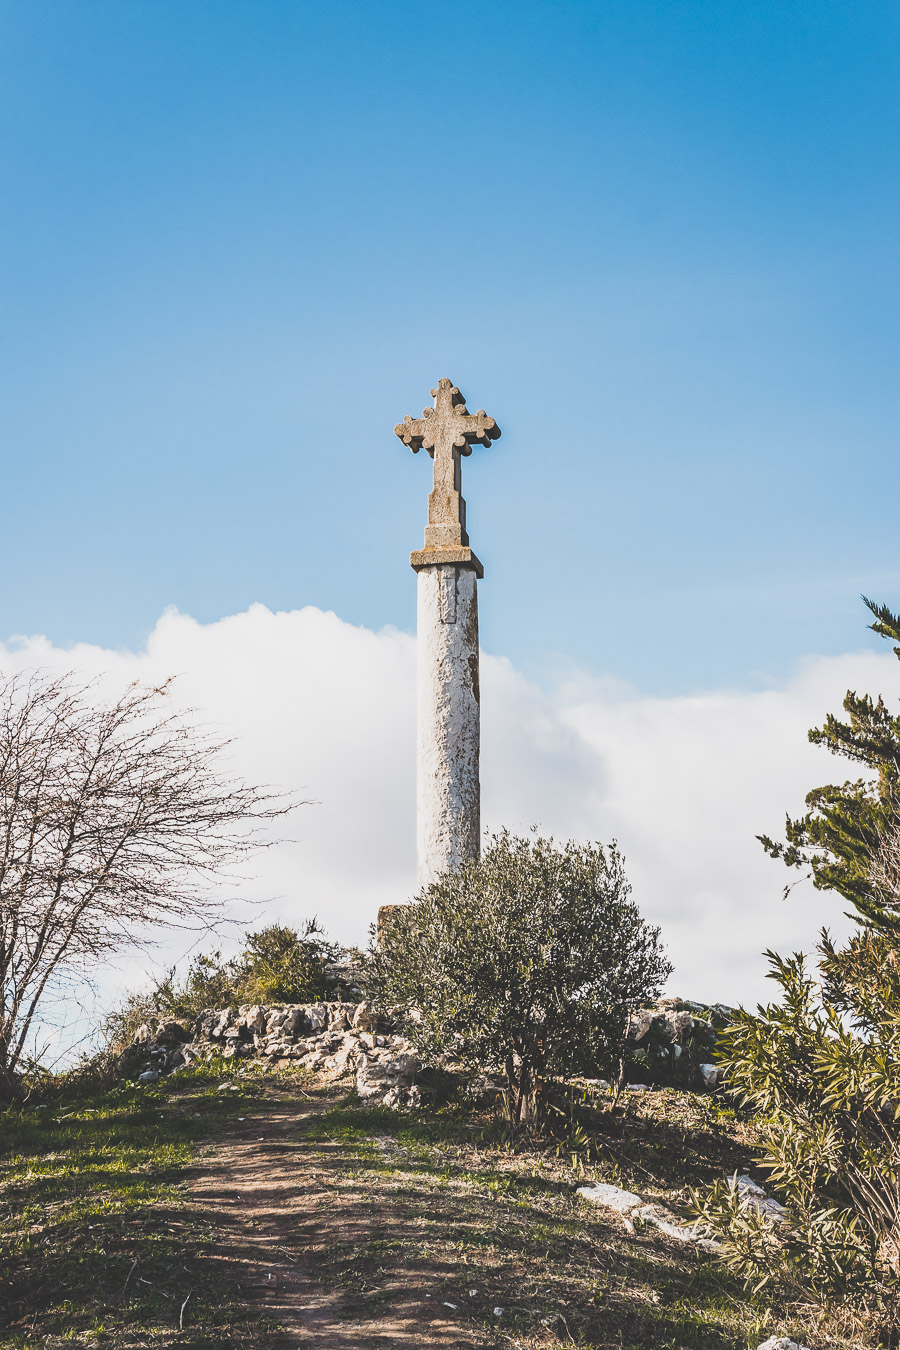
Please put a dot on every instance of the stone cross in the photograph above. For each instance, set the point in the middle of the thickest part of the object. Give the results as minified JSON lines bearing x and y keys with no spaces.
{"x":448,"y":791}
{"x":447,"y":431}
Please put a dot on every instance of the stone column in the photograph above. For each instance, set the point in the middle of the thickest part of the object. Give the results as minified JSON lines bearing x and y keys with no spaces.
{"x":448,"y":795}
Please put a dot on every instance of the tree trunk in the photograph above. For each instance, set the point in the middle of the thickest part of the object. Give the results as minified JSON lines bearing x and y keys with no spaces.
{"x":526,"y":1095}
{"x":8,"y":1079}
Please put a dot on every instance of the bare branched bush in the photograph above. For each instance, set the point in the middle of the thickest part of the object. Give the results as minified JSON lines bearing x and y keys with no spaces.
{"x":115,"y":818}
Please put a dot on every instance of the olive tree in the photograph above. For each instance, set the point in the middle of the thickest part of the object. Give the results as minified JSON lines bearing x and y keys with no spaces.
{"x":530,"y":959}
{"x":115,"y":817}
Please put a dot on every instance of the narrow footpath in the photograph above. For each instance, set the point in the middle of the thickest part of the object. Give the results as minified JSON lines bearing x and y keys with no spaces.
{"x":277,"y":1203}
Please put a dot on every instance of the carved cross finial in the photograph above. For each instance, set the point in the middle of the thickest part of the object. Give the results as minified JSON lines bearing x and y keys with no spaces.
{"x":447,"y":431}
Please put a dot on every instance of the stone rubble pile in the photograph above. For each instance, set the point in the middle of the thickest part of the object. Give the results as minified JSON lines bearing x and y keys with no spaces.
{"x":673,"y":1042}
{"x":338,"y":1039}
{"x":670,"y":1043}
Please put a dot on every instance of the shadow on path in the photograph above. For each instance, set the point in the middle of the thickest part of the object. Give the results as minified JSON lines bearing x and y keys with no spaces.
{"x":276,"y":1208}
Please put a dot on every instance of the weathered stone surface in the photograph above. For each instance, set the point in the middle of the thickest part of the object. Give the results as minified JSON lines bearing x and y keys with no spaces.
{"x":447,"y":431}
{"x":448,"y":794}
{"x":754,"y":1197}
{"x":610,"y":1197}
{"x":365,"y":1018}
{"x":634,"y":1209}
{"x":462,"y":556}
{"x":385,"y":1071}
{"x":385,"y":912}
{"x":448,"y":733}
{"x":171,"y":1032}
{"x":254,"y":1019}
{"x":673,"y":1043}
{"x":781,"y":1343}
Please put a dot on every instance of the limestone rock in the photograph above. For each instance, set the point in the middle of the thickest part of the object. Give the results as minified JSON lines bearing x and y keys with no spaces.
{"x":365,"y":1018}
{"x":634,"y":1209}
{"x":222,"y":1024}
{"x":385,"y":1070}
{"x":254,"y":1019}
{"x":672,"y":1043}
{"x":170,"y":1033}
{"x":754,"y":1197}
{"x":610,"y":1197}
{"x":660,"y":1217}
{"x":781,"y":1343}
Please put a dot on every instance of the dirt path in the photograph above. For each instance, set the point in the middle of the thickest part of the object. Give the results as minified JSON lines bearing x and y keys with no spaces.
{"x":277,"y":1202}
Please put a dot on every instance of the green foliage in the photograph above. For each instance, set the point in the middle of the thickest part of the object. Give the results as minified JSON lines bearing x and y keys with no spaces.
{"x":824,"y":1074}
{"x":276,"y":965}
{"x":98,"y":1243}
{"x":279,"y":965}
{"x":845,"y":824}
{"x":529,"y":959}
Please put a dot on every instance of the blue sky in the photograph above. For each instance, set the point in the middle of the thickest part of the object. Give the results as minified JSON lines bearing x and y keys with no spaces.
{"x":657,"y":241}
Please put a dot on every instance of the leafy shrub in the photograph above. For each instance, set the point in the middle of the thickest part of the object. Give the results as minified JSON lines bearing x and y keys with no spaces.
{"x":824,"y":1075}
{"x":279,"y":965}
{"x":529,"y":959}
{"x":276,"y":965}
{"x":823,"y":1065}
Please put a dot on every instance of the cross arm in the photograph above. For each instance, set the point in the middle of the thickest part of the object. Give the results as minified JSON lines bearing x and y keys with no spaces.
{"x":474,"y":428}
{"x":412,"y":432}
{"x":464,"y":429}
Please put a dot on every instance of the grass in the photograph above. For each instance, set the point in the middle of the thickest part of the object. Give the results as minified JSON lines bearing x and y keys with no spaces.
{"x":544,"y":1256}
{"x":95,"y":1242}
{"x":101,"y":1245}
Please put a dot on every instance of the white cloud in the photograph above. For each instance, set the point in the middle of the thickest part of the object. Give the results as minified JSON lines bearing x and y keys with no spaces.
{"x":684,"y":783}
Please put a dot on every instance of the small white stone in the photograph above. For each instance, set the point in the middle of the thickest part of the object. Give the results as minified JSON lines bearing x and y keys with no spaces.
{"x":781,"y":1343}
{"x":610,"y":1197}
